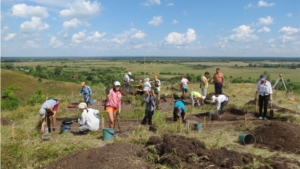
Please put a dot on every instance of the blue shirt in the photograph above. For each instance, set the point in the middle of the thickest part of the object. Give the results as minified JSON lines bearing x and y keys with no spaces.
{"x":86,"y":90}
{"x":179,"y":103}
{"x":48,"y":103}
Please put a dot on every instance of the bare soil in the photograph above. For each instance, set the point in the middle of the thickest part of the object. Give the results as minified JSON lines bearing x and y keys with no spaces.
{"x":278,"y":136}
{"x":110,"y":156}
{"x":5,"y":121}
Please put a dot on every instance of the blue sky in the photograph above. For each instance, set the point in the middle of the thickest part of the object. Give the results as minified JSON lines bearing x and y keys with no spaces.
{"x":150,"y":28}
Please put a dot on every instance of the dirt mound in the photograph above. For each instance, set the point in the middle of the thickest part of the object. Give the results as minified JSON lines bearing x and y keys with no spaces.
{"x":173,"y":150}
{"x":253,"y":102}
{"x":115,"y":155}
{"x":277,"y":162}
{"x":284,"y":110}
{"x":278,"y":136}
{"x":5,"y":121}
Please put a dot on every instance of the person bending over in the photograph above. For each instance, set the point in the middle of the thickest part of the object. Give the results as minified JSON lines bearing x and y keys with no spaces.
{"x":221,"y":101}
{"x":179,"y":110}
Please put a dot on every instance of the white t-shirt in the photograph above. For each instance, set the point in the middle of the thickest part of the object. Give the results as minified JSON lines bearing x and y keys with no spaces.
{"x":264,"y":89}
{"x":147,"y":84}
{"x":90,"y":118}
{"x":158,"y":83}
{"x":221,"y":98}
{"x":126,"y":78}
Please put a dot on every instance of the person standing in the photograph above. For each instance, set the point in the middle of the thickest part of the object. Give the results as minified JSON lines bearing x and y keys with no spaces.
{"x":264,"y":88}
{"x":221,"y":101}
{"x":89,"y":120}
{"x":179,"y":110}
{"x":184,"y":86}
{"x":87,"y":93}
{"x":49,"y":109}
{"x":204,"y":86}
{"x":157,"y":92}
{"x":126,"y":80}
{"x":113,"y":103}
{"x":149,"y":100}
{"x":219,"y":81}
{"x":195,"y":96}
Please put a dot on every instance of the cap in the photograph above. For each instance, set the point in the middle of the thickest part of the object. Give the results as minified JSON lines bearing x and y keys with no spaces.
{"x":82,"y":105}
{"x":42,"y":112}
{"x":213,"y":98}
{"x":117,"y":83}
{"x":129,"y":73}
{"x":147,"y":88}
{"x":146,"y":80}
{"x":262,"y":78}
{"x":155,"y":77}
{"x":82,"y":83}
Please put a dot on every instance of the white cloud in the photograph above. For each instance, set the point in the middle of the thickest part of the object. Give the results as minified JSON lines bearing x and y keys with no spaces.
{"x":81,"y":9}
{"x":139,"y":35}
{"x":289,"y":30}
{"x":243,"y":33}
{"x":264,"y":29}
{"x":156,"y":20}
{"x":289,"y":14}
{"x":271,"y":40}
{"x":118,"y":40}
{"x":170,"y":4}
{"x":55,"y":43}
{"x":33,"y":27}
{"x":74,"y":23}
{"x":248,"y":6}
{"x":151,"y":2}
{"x":10,"y":36}
{"x":30,"y":44}
{"x":180,"y":39}
{"x":24,"y":11}
{"x":4,"y":30}
{"x":262,"y":3}
{"x":95,"y":36}
{"x":265,"y":21}
{"x":175,"y":21}
{"x":77,"y":38}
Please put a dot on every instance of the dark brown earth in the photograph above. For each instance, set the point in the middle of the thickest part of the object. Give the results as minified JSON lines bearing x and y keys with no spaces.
{"x":5,"y":121}
{"x":278,"y":136}
{"x":111,"y":156}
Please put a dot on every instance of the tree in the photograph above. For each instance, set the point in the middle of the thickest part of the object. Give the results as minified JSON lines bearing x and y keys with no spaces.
{"x":57,"y":70}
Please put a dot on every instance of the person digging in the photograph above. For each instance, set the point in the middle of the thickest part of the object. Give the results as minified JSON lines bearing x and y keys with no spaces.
{"x":47,"y":110}
{"x":149,"y":99}
{"x":195,"y":97}
{"x":221,"y":101}
{"x":179,"y":110}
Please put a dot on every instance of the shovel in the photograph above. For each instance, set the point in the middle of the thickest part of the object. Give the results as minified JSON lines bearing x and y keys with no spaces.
{"x":271,"y":111}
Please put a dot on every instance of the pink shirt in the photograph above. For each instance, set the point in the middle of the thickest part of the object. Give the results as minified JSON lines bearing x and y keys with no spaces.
{"x":114,"y":99}
{"x":184,"y":82}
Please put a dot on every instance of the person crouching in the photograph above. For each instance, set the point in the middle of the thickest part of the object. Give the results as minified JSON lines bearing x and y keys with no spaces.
{"x":149,"y":100}
{"x":89,"y":120}
{"x":221,"y":101}
{"x":179,"y":110}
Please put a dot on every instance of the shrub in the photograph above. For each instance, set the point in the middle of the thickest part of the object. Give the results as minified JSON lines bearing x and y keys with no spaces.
{"x":37,"y":97}
{"x":10,"y":102}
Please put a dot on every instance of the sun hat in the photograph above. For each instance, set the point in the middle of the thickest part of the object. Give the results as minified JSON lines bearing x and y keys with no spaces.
{"x":146,"y":80}
{"x":147,"y":88}
{"x":42,"y":112}
{"x":82,"y":105}
{"x":213,"y":98}
{"x":117,"y":83}
{"x":129,"y":73}
{"x":82,"y":83}
{"x":262,"y":78}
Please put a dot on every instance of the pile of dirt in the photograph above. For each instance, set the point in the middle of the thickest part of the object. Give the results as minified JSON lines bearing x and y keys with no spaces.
{"x":173,"y":150}
{"x":5,"y":121}
{"x":278,"y":136}
{"x":284,"y":110}
{"x":115,"y":155}
{"x":278,"y":162}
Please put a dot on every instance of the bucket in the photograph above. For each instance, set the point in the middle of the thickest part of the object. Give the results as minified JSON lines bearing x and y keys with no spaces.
{"x":65,"y":128}
{"x":46,"y":136}
{"x":108,"y":134}
{"x":198,"y":126}
{"x":91,"y":101}
{"x":247,"y":139}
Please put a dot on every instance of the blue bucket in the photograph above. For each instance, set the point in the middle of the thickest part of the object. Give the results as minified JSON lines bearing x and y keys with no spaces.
{"x":91,"y":101}
{"x":65,"y":128}
{"x":198,"y":126}
{"x":247,"y":139}
{"x":108,"y":134}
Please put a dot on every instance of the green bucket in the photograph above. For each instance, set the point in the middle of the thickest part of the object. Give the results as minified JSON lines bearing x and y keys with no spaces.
{"x":108,"y":134}
{"x":198,"y":126}
{"x":247,"y":139}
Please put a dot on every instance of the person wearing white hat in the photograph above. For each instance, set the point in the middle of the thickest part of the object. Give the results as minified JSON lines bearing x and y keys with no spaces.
{"x":265,"y":91}
{"x":49,"y":109}
{"x":89,"y":120}
{"x":113,"y":103}
{"x":126,"y":80}
{"x":147,"y":83}
{"x":149,"y":100}
{"x":221,"y":101}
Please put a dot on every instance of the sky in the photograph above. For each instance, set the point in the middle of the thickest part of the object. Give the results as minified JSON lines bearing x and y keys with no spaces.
{"x":237,"y":28}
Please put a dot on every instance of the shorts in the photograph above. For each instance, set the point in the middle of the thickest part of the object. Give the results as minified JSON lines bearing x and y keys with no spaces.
{"x":55,"y":108}
{"x":185,"y":90}
{"x":111,"y":109}
{"x":204,"y":91}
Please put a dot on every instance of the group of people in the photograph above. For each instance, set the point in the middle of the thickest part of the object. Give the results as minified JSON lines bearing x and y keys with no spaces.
{"x":90,"y":121}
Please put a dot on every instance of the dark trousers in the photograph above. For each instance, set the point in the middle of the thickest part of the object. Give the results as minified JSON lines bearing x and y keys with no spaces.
{"x":218,"y":88}
{"x":176,"y":117}
{"x":223,"y":104}
{"x":263,"y":101}
{"x":148,"y":117}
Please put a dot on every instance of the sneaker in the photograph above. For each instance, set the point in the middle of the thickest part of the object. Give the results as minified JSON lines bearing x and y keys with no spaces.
{"x":265,"y":118}
{"x":260,"y":118}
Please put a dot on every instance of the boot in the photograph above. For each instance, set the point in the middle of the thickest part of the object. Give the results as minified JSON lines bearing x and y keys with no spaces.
{"x":144,"y":122}
{"x":150,"y":121}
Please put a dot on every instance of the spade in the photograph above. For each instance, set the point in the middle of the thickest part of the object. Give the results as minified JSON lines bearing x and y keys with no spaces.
{"x":271,"y":111}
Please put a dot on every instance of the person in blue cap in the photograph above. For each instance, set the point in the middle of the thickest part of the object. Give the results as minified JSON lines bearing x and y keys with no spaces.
{"x":179,"y":110}
{"x":264,"y":88}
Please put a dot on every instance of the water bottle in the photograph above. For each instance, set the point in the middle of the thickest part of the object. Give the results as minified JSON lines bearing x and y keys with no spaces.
{"x":46,"y":130}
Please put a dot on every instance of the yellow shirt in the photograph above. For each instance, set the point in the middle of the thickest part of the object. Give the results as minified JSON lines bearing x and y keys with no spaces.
{"x":196,"y":94}
{"x":203,"y":79}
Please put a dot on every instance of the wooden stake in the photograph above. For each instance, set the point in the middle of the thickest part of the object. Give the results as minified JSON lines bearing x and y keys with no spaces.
{"x":102,"y":122}
{"x":245,"y":120}
{"x":204,"y":123}
{"x":180,"y":122}
{"x":13,"y":131}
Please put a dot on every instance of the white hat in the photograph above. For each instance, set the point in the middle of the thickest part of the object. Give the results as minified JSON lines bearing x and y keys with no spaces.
{"x":129,"y":73}
{"x":213,"y":98}
{"x":82,"y":105}
{"x":42,"y":112}
{"x":146,"y":80}
{"x":117,"y":83}
{"x":147,"y":88}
